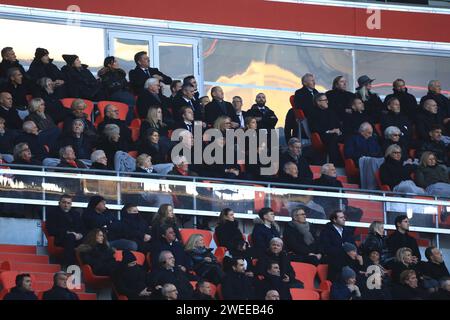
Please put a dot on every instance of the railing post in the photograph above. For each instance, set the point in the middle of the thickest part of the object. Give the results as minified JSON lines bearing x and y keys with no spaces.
{"x":384,"y":212}
{"x":438,"y":214}
{"x":119,"y":193}
{"x":269,"y":196}
{"x":44,"y":208}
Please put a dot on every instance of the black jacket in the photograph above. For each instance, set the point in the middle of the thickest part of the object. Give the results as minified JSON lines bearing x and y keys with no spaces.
{"x":271,"y":282}
{"x":147,"y":99}
{"x":130,"y":281}
{"x":89,"y":128}
{"x":7,"y":141}
{"x":134,"y":226}
{"x":438,"y":148}
{"x":331,"y":242}
{"x":328,"y":203}
{"x":339,"y":101}
{"x":101,"y":259}
{"x":398,"y":240}
{"x":177,"y":249}
{"x":176,"y":277}
{"x":269,"y":119}
{"x":336,"y":264}
{"x":322,"y":120}
{"x":404,"y":292}
{"x":81,"y":83}
{"x":442,"y":102}
{"x":304,"y":99}
{"x":138,"y":77}
{"x":107,"y":221}
{"x":83,"y":146}
{"x":282,"y":259}
{"x":408,"y":103}
{"x":374,"y":242}
{"x":261,"y":235}
{"x":53,"y":105}
{"x":237,"y":286}
{"x":12,"y":119}
{"x":399,"y":120}
{"x":214,"y":110}
{"x":393,"y":172}
{"x":18,"y":93}
{"x":304,"y":171}
{"x":294,"y":241}
{"x":113,"y":80}
{"x":179,"y":102}
{"x":434,"y":270}
{"x":156,"y":151}
{"x":38,"y":70}
{"x":5,"y":65}
{"x":37,"y":149}
{"x":374,"y":106}
{"x":228,"y":234}
{"x":425,"y":121}
{"x":111,"y":148}
{"x":60,"y":222}
{"x":352,"y":121}
{"x":58,"y":293}
{"x":125,"y":132}
{"x":20,"y":294}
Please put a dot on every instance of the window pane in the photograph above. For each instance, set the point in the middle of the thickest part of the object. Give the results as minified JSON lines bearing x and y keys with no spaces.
{"x":125,"y":49}
{"x":25,"y":37}
{"x":414,"y":69}
{"x":176,"y":60}
{"x":273,"y":65}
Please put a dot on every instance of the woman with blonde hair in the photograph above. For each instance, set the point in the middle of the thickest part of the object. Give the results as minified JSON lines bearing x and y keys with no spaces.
{"x":222,"y":123}
{"x":432,"y":176}
{"x":403,"y":261}
{"x":154,"y":120}
{"x":36,"y":107}
{"x":375,"y":240}
{"x":205,"y":263}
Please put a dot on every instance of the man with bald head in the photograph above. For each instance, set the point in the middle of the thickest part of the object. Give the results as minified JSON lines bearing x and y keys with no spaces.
{"x":265,"y":118}
{"x":443,"y":104}
{"x":218,"y":107}
{"x":428,"y":117}
{"x":9,"y":113}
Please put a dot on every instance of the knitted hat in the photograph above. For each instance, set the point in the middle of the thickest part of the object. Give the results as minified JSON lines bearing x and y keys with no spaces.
{"x":127,"y":257}
{"x":94,"y":201}
{"x":40,"y":52}
{"x":347,"y":273}
{"x":347,"y":246}
{"x":69,"y":58}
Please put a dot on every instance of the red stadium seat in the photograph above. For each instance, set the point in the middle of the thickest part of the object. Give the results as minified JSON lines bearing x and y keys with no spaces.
{"x":148,"y":258}
{"x":53,"y":249}
{"x":383,"y":187}
{"x":67,"y":102}
{"x":219,"y":292}
{"x":304,"y":294}
{"x":133,"y":154}
{"x":351,"y":170}
{"x":306,"y":273}
{"x":97,"y":282}
{"x":186,"y":233}
{"x":377,"y":127}
{"x":322,"y":272}
{"x":123,"y":109}
{"x":135,"y":132}
{"x":317,"y":144}
{"x":219,"y":253}
{"x":136,"y":123}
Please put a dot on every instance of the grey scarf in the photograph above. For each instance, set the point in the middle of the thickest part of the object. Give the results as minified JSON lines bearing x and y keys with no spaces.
{"x":303,"y":228}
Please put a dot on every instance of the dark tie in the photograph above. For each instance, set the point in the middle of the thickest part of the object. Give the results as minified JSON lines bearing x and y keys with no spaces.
{"x":189,"y":127}
{"x":147,"y":73}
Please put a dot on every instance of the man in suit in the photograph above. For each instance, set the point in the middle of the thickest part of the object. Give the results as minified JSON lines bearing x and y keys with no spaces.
{"x":142,"y":72}
{"x":9,"y":113}
{"x":186,"y":98}
{"x":218,"y":107}
{"x":193,"y":82}
{"x":304,"y":97}
{"x":187,"y":122}
{"x":237,"y":105}
{"x":265,"y":117}
{"x":151,"y":97}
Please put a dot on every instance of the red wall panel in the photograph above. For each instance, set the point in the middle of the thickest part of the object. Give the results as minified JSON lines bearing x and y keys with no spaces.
{"x":268,"y":15}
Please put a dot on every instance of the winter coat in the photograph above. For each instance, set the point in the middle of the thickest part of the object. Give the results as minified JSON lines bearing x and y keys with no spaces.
{"x":58,"y":293}
{"x":426,"y":176}
{"x":261,"y":235}
{"x":392,"y":172}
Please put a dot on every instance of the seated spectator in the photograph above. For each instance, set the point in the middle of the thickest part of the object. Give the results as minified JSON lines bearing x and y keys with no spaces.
{"x":382,"y":293}
{"x":142,"y":72}
{"x":237,"y":105}
{"x":155,"y":120}
{"x":22,"y":155}
{"x":393,"y":135}
{"x":18,"y":89}
{"x":96,"y":252}
{"x":328,"y":178}
{"x":144,"y":165}
{"x":290,"y":175}
{"x":444,"y":290}
{"x":339,"y":98}
{"x":396,"y":118}
{"x":82,"y":144}
{"x":165,"y":216}
{"x":236,"y":285}
{"x":68,"y":158}
{"x":187,"y":119}
{"x":7,"y":138}
{"x":351,"y":121}
{"x":204,"y":262}
{"x":169,"y":292}
{"x":300,"y":239}
{"x":218,"y":107}
{"x":181,"y":167}
{"x":97,"y":215}
{"x":293,"y":154}
{"x":111,"y":142}
{"x":334,"y":235}
{"x":31,"y":137}
{"x":130,"y":279}
{"x":304,"y":96}
{"x":202,"y":291}
{"x":404,"y":260}
{"x":273,"y":280}
{"x":275,"y":253}
{"x":222,"y":123}
{"x":345,"y":288}
{"x":435,"y":93}
{"x":326,"y":123}
{"x":372,"y":102}
{"x":151,"y":96}
{"x":23,"y":289}
{"x":47,"y":128}
{"x":168,"y":242}
{"x":407,"y":101}
{"x":396,"y":174}
{"x":428,"y":117}
{"x":348,"y":257}
{"x":59,"y":291}
{"x":265,"y":117}
{"x":375,"y":241}
{"x":227,"y":231}
{"x":169,"y":272}
{"x":432,"y":176}
{"x":400,"y":238}
{"x":272,"y":295}
{"x":175,"y":88}
{"x":115,"y":85}
{"x":99,"y":160}
{"x":152,"y":145}
{"x":435,"y":144}
{"x":265,"y":228}
{"x":48,"y":91}
{"x":135,"y":227}
{"x":408,"y":289}
{"x":435,"y":267}
{"x":65,"y":224}
{"x":77,"y":112}
{"x":9,"y":60}
{"x":112,"y":117}
{"x":9,"y":112}
{"x":80,"y":81}
{"x":364,"y":144}
{"x":42,"y":67}
{"x":186,"y":98}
